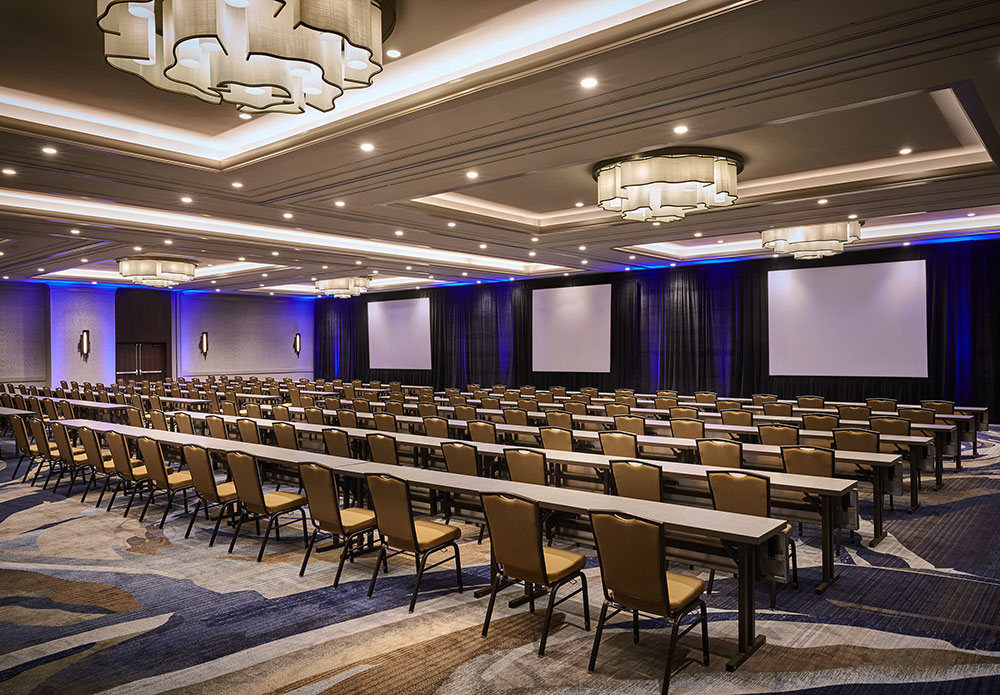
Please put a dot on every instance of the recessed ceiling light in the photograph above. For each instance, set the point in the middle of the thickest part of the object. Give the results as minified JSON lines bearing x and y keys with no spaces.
{"x":245,"y":116}
{"x":168,"y":242}
{"x":41,"y":270}
{"x":583,"y":248}
{"x":312,"y":279}
{"x":465,"y":275}
{"x":212,"y":282}
{"x":339,"y":203}
{"x":534,"y":238}
{"x":367,"y":147}
{"x":288,"y":215}
{"x":680,"y":129}
{"x":531,"y":253}
{"x":472,"y":174}
{"x":357,"y":262}
{"x":906,"y":150}
{"x":393,"y":53}
{"x":217,"y":289}
{"x":588,"y":82}
{"x":271,"y":293}
{"x":324,"y":267}
{"x":697,"y":235}
{"x":84,"y":260}
{"x":565,"y":275}
{"x":263,"y":275}
{"x":673,"y":265}
{"x":852,"y":216}
{"x":430,"y":277}
{"x":631,"y":258}
{"x":584,"y":262}
{"x":50,"y":150}
{"x":822,"y":201}
{"x":971,"y":214}
{"x":409,"y":267}
{"x":137,"y":248}
{"x":241,"y":258}
{"x":374,"y":272}
{"x":399,"y":232}
{"x":6,"y":277}
{"x":656,"y":224}
{"x":579,"y":204}
{"x":260,"y":285}
{"x":482,"y":246}
{"x":93,"y":282}
{"x":237,"y":184}
{"x":74,"y":231}
{"x":720,"y":241}
{"x":774,"y":255}
{"x":906,"y":243}
{"x":186,"y":199}
{"x":7,"y":171}
{"x":479,"y":282}
{"x":274,"y":253}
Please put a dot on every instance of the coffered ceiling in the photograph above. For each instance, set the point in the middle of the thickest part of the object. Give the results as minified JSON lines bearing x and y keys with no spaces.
{"x":819,"y":99}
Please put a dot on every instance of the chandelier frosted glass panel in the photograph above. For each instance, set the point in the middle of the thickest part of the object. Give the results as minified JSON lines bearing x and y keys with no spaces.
{"x":344,"y":288}
{"x":665,"y":185}
{"x":157,"y":272}
{"x":262,"y":55}
{"x":812,"y":241}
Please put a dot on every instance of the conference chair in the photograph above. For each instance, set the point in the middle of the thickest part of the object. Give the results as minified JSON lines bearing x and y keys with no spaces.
{"x":519,"y":556}
{"x":527,"y":390}
{"x":545,"y":397}
{"x":705,"y":397}
{"x":209,"y":491}
{"x":723,"y":453}
{"x":810,"y":460}
{"x":482,"y":431}
{"x":528,"y":405}
{"x":184,"y":423}
{"x":158,"y":420}
{"x":632,"y":555}
{"x":347,"y":418}
{"x":280,"y":412}
{"x":23,"y":445}
{"x":638,"y":480}
{"x":436,"y":427}
{"x":624,"y":392}
{"x":361,"y":405}
{"x":385,"y":422}
{"x":452,"y":391}
{"x":882,"y":405}
{"x":615,"y":409}
{"x":556,"y":438}
{"x":762,"y":398}
{"x":559,"y":391}
{"x":498,"y":388}
{"x":749,"y":493}
{"x":854,"y":412}
{"x":666,"y":393}
{"x":351,"y":524}
{"x":580,"y":398}
{"x":314,"y":416}
{"x":577,"y":408}
{"x":489,"y":403}
{"x":249,"y":432}
{"x":255,"y":504}
{"x":465,"y":412}
{"x":624,"y":444}
{"x":559,"y":418}
{"x":427,"y":410}
{"x":527,"y":466}
{"x":778,"y":434}
{"x":630,"y":423}
{"x":810,"y":402}
{"x":337,"y":443}
{"x":685,"y":428}
{"x":285,"y":435}
{"x":457,"y":400}
{"x":461,"y":459}
{"x":382,"y":449}
{"x":227,"y":407}
{"x":630,"y":401}
{"x":132,"y":473}
{"x":164,"y":479}
{"x":515,"y":416}
{"x":253,"y":410}
{"x":134,"y":417}
{"x":216,"y":427}
{"x":777,"y":409}
{"x":939,"y":407}
{"x":664,"y":403}
{"x":739,"y":418}
{"x":682,"y":412}
{"x":728,"y":404}
{"x":820,"y":423}
{"x":394,"y":407}
{"x":403,"y":535}
{"x":66,"y":410}
{"x":853,"y":439}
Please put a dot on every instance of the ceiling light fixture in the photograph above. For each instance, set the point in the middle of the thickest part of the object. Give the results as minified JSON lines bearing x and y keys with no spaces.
{"x":852,"y":216}
{"x":579,"y":204}
{"x":534,"y":238}
{"x":343,"y":288}
{"x":631,"y":258}
{"x":970,"y":214}
{"x":392,"y":53}
{"x":7,"y":171}
{"x":186,"y":199}
{"x":451,"y":224}
{"x":664,"y":185}
{"x":50,"y":150}
{"x":84,"y":260}
{"x":808,"y":242}
{"x":245,"y":116}
{"x":288,"y":215}
{"x":584,"y":262}
{"x":74,"y":231}
{"x":260,"y":56}
{"x":465,"y":275}
{"x":367,"y":147}
{"x":237,"y":184}
{"x":472,"y":174}
{"x":822,"y":201}
{"x":398,"y":232}
{"x":168,"y":242}
{"x":531,"y":253}
{"x":339,"y":203}
{"x":274,"y":253}
{"x":680,"y":129}
{"x":241,"y":258}
{"x":906,"y":150}
{"x":157,"y":271}
{"x":137,"y":248}
{"x":588,"y":82}
{"x":482,"y":246}
{"x":697,"y":235}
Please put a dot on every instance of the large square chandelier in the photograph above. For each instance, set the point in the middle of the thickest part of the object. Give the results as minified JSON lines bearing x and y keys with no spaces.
{"x":261,"y":55}
{"x":664,"y":185}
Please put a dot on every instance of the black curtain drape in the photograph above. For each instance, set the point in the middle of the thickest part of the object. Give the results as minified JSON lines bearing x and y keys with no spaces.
{"x":698,"y":326}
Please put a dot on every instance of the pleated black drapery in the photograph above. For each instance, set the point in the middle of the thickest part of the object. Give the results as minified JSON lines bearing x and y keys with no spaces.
{"x":699,"y":326}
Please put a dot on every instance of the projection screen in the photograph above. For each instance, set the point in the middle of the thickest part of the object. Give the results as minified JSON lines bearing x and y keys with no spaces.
{"x":571,"y":329}
{"x":399,"y":334}
{"x":852,"y":320}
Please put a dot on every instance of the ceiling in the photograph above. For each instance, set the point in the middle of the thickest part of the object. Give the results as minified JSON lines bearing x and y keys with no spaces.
{"x":818,"y":98}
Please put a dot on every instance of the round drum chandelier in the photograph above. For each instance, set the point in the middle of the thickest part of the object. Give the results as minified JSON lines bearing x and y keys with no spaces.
{"x":812,"y":241}
{"x":664,"y":185}
{"x":261,"y":55}
{"x":157,"y":271}
{"x":344,"y":288}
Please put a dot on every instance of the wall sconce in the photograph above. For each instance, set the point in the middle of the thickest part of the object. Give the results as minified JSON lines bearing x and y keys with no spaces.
{"x":297,"y":344}
{"x":84,"y":345}
{"x":203,"y":344}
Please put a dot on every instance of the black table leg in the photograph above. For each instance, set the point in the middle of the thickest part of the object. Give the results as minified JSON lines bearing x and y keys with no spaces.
{"x":749,"y":641}
{"x":878,"y":485}
{"x":826,"y":529}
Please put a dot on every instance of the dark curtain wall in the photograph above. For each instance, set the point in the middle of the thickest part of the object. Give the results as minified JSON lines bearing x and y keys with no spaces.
{"x":699,"y":326}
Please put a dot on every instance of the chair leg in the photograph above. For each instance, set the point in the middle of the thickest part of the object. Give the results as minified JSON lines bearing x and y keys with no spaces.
{"x":218,"y":521}
{"x":704,"y":633}
{"x":670,"y":656}
{"x":586,"y":602}
{"x":305,"y":529}
{"x":309,"y":549}
{"x":711,"y":582}
{"x":194,"y":516}
{"x":263,"y":544}
{"x":90,"y":482}
{"x":379,"y":559}
{"x":421,"y":563}
{"x":152,"y":493}
{"x":494,"y":588}
{"x":458,"y":567}
{"x":548,"y":620}
{"x":597,"y":636}
{"x":236,"y":532}
{"x":170,"y":502}
{"x":107,"y":483}
{"x":72,"y":480}
{"x":343,"y":557}
{"x":482,"y":530}
{"x":795,"y":568}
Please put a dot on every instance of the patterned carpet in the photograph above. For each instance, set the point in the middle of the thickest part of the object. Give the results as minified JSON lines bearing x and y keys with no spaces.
{"x":91,"y":602}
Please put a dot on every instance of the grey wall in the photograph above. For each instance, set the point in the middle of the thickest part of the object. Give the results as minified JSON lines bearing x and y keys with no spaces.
{"x":246,"y":335}
{"x":24,"y":333}
{"x":74,"y":309}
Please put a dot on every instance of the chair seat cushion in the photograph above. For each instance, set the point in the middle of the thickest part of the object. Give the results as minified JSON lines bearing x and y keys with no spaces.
{"x":561,"y":563}
{"x":282,"y":501}
{"x":226,"y":492}
{"x":431,"y":534}
{"x":355,"y":519}
{"x":181,"y":479}
{"x":683,"y":589}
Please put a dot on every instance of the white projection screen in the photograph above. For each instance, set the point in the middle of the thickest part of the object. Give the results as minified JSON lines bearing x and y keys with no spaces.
{"x":571,"y":329}
{"x":852,"y":320}
{"x":399,"y":334}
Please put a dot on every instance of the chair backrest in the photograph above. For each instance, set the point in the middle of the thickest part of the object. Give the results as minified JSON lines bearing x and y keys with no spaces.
{"x":284,"y":434}
{"x":21,"y":436}
{"x":436,"y":427}
{"x":556,"y":438}
{"x":810,"y":402}
{"x":808,"y":460}
{"x":248,"y":431}
{"x":762,"y":398}
{"x":461,"y":458}
{"x":159,"y":420}
{"x":684,"y":428}
{"x":526,"y":466}
{"x":246,"y":476}
{"x":65,"y":451}
{"x":939,"y":407}
{"x":489,"y":403}
{"x":382,"y":448}
{"x":362,"y":405}
{"x":91,"y":447}
{"x":849,"y":439}
{"x":202,"y":475}
{"x":152,"y":457}
{"x":119,"y":454}
{"x":50,"y":408}
{"x":577,"y":408}
{"x":726,"y":453}
{"x":385,"y":422}
{"x":457,"y":400}
{"x":683,"y":411}
{"x":314,"y":416}
{"x":516,"y":536}
{"x":134,"y":417}
{"x":854,"y":412}
{"x":465,"y":412}
{"x":482,"y":431}
{"x":515,"y":416}
{"x":918,"y":416}
{"x":184,"y":424}
{"x":528,"y":405}
{"x":740,"y":493}
{"x":394,"y":407}
{"x":705,"y":397}
{"x":632,"y":555}
{"x":227,"y":406}
{"x":630,"y":401}
{"x":545,"y":397}
{"x":616,"y":409}
{"x":742,"y":418}
{"x":217,"y":427}
{"x":559,"y":418}
{"x":779,"y":409}
{"x":638,"y":480}
{"x":778,"y":434}
{"x":279,"y":412}
{"x":427,"y":409}
{"x":882,"y":405}
{"x":393,"y":511}
{"x":821,"y":423}
{"x":67,"y":410}
{"x":254,"y":410}
{"x":337,"y":442}
{"x":347,"y":418}
{"x":630,"y":423}
{"x":888,"y":424}
{"x":728,"y":404}
{"x":666,"y":393}
{"x":664,"y":403}
{"x":623,"y":444}
{"x":321,"y":491}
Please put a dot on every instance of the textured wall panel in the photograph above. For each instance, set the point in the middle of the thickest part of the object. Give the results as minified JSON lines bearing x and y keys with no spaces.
{"x":246,"y":335}
{"x":73,"y":310}
{"x":24,"y":333}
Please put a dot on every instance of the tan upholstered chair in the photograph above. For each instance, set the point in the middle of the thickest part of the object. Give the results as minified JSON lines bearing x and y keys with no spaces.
{"x":210,"y":492}
{"x":749,"y":493}
{"x":816,"y":402}
{"x":918,"y":416}
{"x":683,"y":412}
{"x":24,"y":447}
{"x":576,"y":407}
{"x":285,"y":435}
{"x":164,"y":479}
{"x":527,"y":466}
{"x":436,"y":427}
{"x":461,"y":458}
{"x":559,"y":418}
{"x":851,"y":439}
{"x":385,"y":422}
{"x":134,"y":417}
{"x":217,"y":427}
{"x":515,"y":416}
{"x":629,"y":423}
{"x":528,"y":405}
{"x":777,"y":434}
{"x":132,"y":473}
{"x":882,"y":405}
{"x":347,"y":418}
{"x":638,"y":480}
{"x":253,"y":410}
{"x":616,"y":409}
{"x":394,"y":407}
{"x":624,"y":444}
{"x":705,"y":397}
{"x":738,"y":418}
{"x":762,"y":398}
{"x":382,"y":449}
{"x":939,"y":407}
{"x":98,"y":461}
{"x":465,"y":412}
{"x":808,"y":460}
{"x":778,"y":409}
{"x":256,"y":504}
{"x":684,"y":428}
{"x":314,"y":416}
{"x":891,"y":425}
{"x":489,"y":403}
{"x":248,"y":430}
{"x":820,"y":423}
{"x":855,"y":412}
{"x":663,"y":403}
{"x":516,"y":527}
{"x":632,"y":554}
{"x":401,"y":534}
{"x":427,"y":410}
{"x":68,"y":459}
{"x":482,"y":431}
{"x":728,"y":404}
{"x":556,"y":438}
{"x":158,"y":420}
{"x":630,"y":401}
{"x":351,"y":524}
{"x":337,"y":443}
{"x":724,"y":453}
